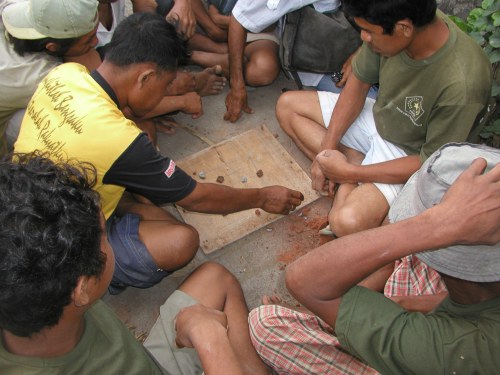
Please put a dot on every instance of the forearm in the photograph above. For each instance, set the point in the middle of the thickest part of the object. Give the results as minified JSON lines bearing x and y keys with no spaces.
{"x":348,"y":107}
{"x":341,"y":264}
{"x":219,"y":199}
{"x":396,"y":171}
{"x":216,"y":353}
{"x":167,"y":104}
{"x":237,"y":42}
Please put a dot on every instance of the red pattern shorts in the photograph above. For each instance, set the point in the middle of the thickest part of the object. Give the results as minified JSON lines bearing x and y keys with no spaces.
{"x":296,"y":343}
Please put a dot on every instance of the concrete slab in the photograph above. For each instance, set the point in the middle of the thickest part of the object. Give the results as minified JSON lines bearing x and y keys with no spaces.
{"x":257,"y":260}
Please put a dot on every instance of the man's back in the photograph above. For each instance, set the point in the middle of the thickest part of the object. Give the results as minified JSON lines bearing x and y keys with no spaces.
{"x":454,"y":336}
{"x":72,"y":116}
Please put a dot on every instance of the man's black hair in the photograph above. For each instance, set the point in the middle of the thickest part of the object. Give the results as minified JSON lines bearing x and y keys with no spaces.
{"x":386,"y":13}
{"x":50,"y":235}
{"x":22,"y":46}
{"x":146,"y":38}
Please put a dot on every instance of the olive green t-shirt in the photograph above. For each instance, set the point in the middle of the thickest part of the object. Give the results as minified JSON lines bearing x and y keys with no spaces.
{"x":423,"y":104}
{"x":106,"y":347}
{"x":454,"y":339}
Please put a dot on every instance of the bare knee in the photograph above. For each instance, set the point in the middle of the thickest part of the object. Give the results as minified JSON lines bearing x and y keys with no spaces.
{"x":262,"y":70}
{"x":217,"y":276}
{"x":222,"y":282}
{"x":284,"y":111}
{"x":180,"y":247}
{"x":347,"y":220}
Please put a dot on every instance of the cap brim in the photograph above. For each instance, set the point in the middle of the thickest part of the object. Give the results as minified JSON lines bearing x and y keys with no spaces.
{"x":17,"y":21}
{"x":478,"y":263}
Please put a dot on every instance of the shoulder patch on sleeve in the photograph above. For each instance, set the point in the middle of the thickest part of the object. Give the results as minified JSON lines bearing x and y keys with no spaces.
{"x":171,"y":169}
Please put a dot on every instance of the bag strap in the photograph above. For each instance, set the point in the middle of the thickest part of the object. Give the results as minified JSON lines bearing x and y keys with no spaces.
{"x":296,"y":78}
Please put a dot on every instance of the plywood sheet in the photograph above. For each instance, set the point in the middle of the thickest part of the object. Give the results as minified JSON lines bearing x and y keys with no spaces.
{"x":239,"y":157}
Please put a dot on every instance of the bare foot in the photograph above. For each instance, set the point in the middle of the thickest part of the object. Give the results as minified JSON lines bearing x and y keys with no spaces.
{"x":275,"y":300}
{"x":183,"y":83}
{"x":210,"y":59}
{"x":210,"y":81}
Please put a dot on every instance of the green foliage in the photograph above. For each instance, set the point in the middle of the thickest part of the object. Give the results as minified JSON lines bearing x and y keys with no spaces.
{"x":491,"y":130}
{"x":482,"y":25}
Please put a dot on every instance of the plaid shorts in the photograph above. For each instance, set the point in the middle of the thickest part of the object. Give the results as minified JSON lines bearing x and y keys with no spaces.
{"x":412,"y":277}
{"x":296,"y":343}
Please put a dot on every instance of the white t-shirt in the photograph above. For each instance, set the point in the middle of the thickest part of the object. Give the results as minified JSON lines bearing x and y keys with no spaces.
{"x":19,"y":75}
{"x":257,"y":15}
{"x":104,"y":35}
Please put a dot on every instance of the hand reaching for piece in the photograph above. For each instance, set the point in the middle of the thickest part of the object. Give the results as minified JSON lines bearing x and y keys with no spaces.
{"x":280,"y":200}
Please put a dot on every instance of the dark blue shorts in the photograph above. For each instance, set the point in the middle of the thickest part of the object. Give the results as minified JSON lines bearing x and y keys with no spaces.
{"x":224,"y":6}
{"x":134,"y":266}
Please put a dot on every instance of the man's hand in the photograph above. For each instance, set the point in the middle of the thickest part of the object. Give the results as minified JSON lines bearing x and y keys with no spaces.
{"x":335,"y":166}
{"x":280,"y":200}
{"x":192,"y":105}
{"x":236,"y":102}
{"x":182,"y":15}
{"x":319,"y":181}
{"x":196,"y":321}
{"x":472,"y":206}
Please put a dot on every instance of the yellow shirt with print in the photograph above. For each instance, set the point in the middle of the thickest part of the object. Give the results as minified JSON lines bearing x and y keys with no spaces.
{"x":70,"y":116}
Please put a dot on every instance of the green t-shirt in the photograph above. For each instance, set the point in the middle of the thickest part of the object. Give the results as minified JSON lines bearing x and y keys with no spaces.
{"x":106,"y":347}
{"x":423,"y":104}
{"x":454,"y":339}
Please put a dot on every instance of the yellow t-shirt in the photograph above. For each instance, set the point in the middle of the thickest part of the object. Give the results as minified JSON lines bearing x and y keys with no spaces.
{"x":72,"y":117}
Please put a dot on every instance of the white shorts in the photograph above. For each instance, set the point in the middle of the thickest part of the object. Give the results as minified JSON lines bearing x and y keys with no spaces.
{"x":362,"y":136}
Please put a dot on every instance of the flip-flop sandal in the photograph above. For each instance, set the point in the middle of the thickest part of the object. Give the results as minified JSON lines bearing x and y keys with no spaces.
{"x":326,"y":231}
